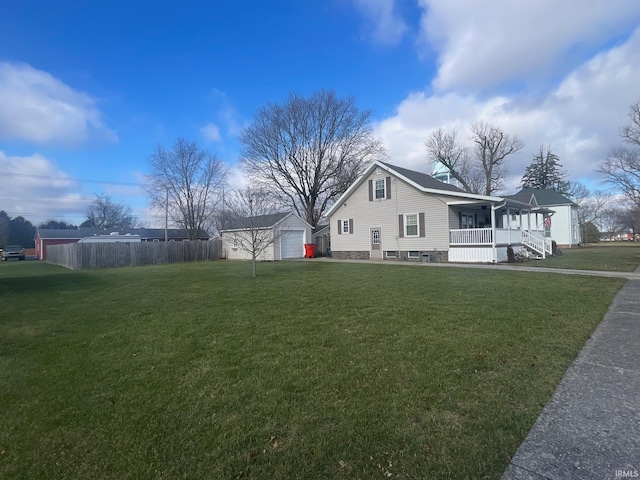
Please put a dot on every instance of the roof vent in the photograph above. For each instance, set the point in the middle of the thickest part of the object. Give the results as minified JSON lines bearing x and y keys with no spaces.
{"x":114,"y":233}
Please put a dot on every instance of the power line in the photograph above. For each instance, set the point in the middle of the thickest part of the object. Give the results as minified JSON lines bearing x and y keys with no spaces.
{"x":69,"y":179}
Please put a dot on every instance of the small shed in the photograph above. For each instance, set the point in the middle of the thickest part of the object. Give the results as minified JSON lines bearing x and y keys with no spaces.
{"x":286,"y":234}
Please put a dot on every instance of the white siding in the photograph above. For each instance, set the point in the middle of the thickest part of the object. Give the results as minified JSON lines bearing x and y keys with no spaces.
{"x":562,"y":224}
{"x":384,"y":213}
{"x":231,"y":253}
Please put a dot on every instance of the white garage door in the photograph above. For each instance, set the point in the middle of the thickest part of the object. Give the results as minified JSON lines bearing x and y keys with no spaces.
{"x":291,"y":244}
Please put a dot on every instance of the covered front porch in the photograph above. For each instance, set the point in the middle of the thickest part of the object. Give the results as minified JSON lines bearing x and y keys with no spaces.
{"x":482,"y":232}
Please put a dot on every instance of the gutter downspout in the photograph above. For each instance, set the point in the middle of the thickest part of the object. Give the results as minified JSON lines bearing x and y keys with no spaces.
{"x":494,"y":251}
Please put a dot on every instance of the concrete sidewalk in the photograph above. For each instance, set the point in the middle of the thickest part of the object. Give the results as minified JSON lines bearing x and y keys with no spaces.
{"x":590,"y":429}
{"x":486,"y":266}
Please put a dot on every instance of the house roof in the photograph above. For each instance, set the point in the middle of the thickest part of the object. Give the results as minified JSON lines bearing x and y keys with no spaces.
{"x":542,"y":198}
{"x":424,"y":180}
{"x":260,"y":221}
{"x":83,"y":232}
{"x":322,"y":229}
{"x":421,"y":181}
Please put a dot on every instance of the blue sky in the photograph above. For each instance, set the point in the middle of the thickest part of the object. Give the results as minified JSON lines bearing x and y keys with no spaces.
{"x":87,"y":89}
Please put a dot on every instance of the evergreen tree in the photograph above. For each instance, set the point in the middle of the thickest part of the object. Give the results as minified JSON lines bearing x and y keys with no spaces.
{"x":545,"y":172}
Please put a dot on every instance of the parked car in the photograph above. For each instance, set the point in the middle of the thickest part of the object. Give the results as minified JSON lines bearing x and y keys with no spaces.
{"x":12,"y":251}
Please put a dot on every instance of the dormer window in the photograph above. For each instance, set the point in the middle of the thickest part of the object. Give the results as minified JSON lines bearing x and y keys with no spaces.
{"x":380,"y":190}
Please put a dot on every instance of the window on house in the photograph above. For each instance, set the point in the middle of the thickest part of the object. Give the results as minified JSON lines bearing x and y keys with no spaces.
{"x":390,"y":254}
{"x":413,"y":254}
{"x":375,"y":237}
{"x":345,"y":226}
{"x":380,"y":192}
{"x":235,"y":243}
{"x":411,"y":225}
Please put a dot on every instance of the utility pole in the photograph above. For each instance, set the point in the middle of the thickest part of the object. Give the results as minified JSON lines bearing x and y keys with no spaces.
{"x":166,"y":215}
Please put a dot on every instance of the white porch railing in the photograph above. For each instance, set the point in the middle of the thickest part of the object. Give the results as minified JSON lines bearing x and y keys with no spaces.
{"x":537,"y":242}
{"x":471,"y":236}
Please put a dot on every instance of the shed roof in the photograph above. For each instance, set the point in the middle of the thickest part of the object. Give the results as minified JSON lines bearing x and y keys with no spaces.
{"x":259,"y":221}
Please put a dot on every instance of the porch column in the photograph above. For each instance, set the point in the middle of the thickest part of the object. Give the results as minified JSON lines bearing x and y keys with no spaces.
{"x":509,"y":225}
{"x":493,"y":234}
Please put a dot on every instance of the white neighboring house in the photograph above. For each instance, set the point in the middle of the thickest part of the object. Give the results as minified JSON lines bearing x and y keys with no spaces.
{"x":395,"y":213}
{"x":289,"y":231}
{"x":563,"y":227}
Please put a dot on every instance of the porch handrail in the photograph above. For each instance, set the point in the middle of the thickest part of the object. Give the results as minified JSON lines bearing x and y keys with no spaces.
{"x":537,"y":242}
{"x":471,"y":236}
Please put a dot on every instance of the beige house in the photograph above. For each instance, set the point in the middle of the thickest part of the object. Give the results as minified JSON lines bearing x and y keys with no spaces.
{"x":276,"y":236}
{"x":395,"y":213}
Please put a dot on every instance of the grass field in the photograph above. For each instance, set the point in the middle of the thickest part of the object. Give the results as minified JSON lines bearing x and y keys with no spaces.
{"x":618,"y":257}
{"x":311,"y":371}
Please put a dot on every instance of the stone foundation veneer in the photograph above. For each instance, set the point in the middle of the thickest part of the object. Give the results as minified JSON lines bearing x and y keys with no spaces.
{"x":436,"y":257}
{"x":350,"y":255}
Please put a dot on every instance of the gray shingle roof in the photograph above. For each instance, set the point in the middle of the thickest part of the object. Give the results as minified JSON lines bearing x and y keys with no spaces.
{"x":424,"y":180}
{"x":260,"y":221}
{"x":544,"y":198}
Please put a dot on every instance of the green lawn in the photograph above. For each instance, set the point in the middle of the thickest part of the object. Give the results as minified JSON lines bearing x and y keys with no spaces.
{"x":618,"y":257}
{"x":311,"y":371}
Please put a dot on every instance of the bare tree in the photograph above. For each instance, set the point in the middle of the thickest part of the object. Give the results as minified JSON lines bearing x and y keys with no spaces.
{"x":621,"y":168}
{"x":444,"y":148}
{"x":103,"y":212}
{"x":186,"y":182}
{"x":492,"y":147}
{"x":249,"y":213}
{"x":5,"y":221}
{"x":309,"y":150}
{"x":610,"y":221}
{"x":483,"y":173}
{"x":591,"y":205}
{"x":629,"y":219}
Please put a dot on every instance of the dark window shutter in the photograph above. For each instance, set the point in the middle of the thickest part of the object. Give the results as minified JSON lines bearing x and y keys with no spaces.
{"x":339,"y":227}
{"x":388,"y":189}
{"x":400,"y":226}
{"x":351,"y":225}
{"x":459,"y":219}
{"x":421,"y":222}
{"x":371,"y":190}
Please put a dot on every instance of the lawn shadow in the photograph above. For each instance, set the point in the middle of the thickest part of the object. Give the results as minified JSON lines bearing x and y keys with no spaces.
{"x":48,"y":283}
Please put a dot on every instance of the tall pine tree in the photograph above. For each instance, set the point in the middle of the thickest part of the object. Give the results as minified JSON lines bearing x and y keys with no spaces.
{"x":545,"y":172}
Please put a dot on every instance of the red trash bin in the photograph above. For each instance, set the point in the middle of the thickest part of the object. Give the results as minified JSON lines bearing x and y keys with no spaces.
{"x":309,"y":250}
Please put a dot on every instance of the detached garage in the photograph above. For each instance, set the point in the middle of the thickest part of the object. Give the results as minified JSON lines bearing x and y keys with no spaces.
{"x":282,"y":236}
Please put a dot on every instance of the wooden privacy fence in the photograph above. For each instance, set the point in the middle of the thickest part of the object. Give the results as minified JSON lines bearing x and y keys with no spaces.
{"x":131,"y":254}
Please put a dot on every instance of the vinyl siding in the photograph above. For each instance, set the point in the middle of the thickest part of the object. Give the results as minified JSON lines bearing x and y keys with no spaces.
{"x":384,"y":213}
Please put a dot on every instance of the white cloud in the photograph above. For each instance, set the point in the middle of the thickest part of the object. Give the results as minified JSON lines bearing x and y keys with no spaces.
{"x":579,"y":119}
{"x":384,"y":25}
{"x":480,"y":45}
{"x":225,"y":112}
{"x":36,"y":189}
{"x":39,"y":108}
{"x":211,"y":132}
